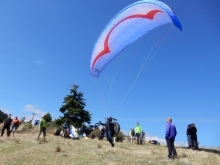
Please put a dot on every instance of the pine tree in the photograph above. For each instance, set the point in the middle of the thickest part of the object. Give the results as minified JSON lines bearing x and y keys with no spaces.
{"x":48,"y":117}
{"x":2,"y":116}
{"x":73,"y":109}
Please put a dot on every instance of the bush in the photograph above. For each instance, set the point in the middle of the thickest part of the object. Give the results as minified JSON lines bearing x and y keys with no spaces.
{"x":121,"y":135}
{"x":26,"y":128}
{"x":96,"y":133}
{"x":52,"y":127}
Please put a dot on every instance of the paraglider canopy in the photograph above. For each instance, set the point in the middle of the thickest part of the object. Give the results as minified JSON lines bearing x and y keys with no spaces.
{"x":126,"y":27}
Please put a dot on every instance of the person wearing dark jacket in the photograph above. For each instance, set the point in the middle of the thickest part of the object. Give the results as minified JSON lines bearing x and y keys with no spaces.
{"x":102,"y":133}
{"x":131,"y":134}
{"x":194,"y":142}
{"x":66,"y":128}
{"x":170,"y":138}
{"x":6,"y":125}
{"x":109,"y":129}
{"x":188,"y":133}
{"x":82,"y":130}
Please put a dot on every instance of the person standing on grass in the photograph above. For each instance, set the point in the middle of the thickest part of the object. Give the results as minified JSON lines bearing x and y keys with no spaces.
{"x":102,"y":133}
{"x":66,"y":129}
{"x":6,"y":125}
{"x":139,"y":133}
{"x":42,"y":127}
{"x":194,"y":142}
{"x":108,"y":127}
{"x":81,"y":130}
{"x":15,"y":125}
{"x":170,"y":138}
{"x":131,"y":134}
{"x":188,"y":133}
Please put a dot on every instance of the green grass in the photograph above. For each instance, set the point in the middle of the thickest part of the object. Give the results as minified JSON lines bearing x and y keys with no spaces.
{"x":24,"y":149}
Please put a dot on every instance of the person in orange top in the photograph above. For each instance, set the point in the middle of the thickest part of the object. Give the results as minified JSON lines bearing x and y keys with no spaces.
{"x":15,"y":125}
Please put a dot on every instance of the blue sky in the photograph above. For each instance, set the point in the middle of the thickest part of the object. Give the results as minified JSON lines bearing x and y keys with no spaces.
{"x":46,"y":46}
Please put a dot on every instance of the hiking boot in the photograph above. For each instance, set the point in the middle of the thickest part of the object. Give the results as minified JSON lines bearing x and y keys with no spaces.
{"x":113,"y":144}
{"x":175,"y":157}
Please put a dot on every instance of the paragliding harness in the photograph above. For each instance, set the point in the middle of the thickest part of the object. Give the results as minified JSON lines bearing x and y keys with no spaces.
{"x":114,"y":127}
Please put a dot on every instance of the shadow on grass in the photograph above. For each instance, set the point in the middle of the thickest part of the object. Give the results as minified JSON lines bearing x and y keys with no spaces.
{"x":215,"y":151}
{"x":211,"y":150}
{"x":41,"y":141}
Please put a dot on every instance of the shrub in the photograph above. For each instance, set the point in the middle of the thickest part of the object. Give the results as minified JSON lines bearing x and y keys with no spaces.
{"x":99,"y":145}
{"x":121,"y":135}
{"x":96,"y":133}
{"x":52,"y":127}
{"x":26,"y":128}
{"x":58,"y":149}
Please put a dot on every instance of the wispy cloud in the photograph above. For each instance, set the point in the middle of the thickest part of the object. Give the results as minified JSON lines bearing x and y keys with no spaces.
{"x":38,"y":62}
{"x":33,"y":109}
{"x":5,"y":110}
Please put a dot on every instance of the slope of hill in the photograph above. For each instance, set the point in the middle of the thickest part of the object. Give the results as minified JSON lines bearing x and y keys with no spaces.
{"x":24,"y":149}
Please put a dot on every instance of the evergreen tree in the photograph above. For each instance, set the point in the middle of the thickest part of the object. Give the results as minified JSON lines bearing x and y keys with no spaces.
{"x":2,"y":116}
{"x":48,"y":117}
{"x":73,"y":109}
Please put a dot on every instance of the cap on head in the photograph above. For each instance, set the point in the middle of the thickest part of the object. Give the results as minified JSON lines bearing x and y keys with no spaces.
{"x":43,"y":115}
{"x":169,"y":119}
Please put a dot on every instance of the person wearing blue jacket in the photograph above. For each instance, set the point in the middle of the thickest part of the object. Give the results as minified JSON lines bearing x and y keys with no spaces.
{"x":170,"y":138}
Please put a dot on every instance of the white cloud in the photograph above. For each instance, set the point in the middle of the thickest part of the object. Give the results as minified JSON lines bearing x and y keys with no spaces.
{"x":5,"y":110}
{"x":35,"y":110}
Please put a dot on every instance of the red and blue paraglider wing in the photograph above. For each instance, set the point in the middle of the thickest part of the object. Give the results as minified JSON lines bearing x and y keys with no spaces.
{"x":126,"y":27}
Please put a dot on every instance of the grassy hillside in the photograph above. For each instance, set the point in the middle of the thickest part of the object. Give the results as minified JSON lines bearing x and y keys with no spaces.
{"x":23,"y":149}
